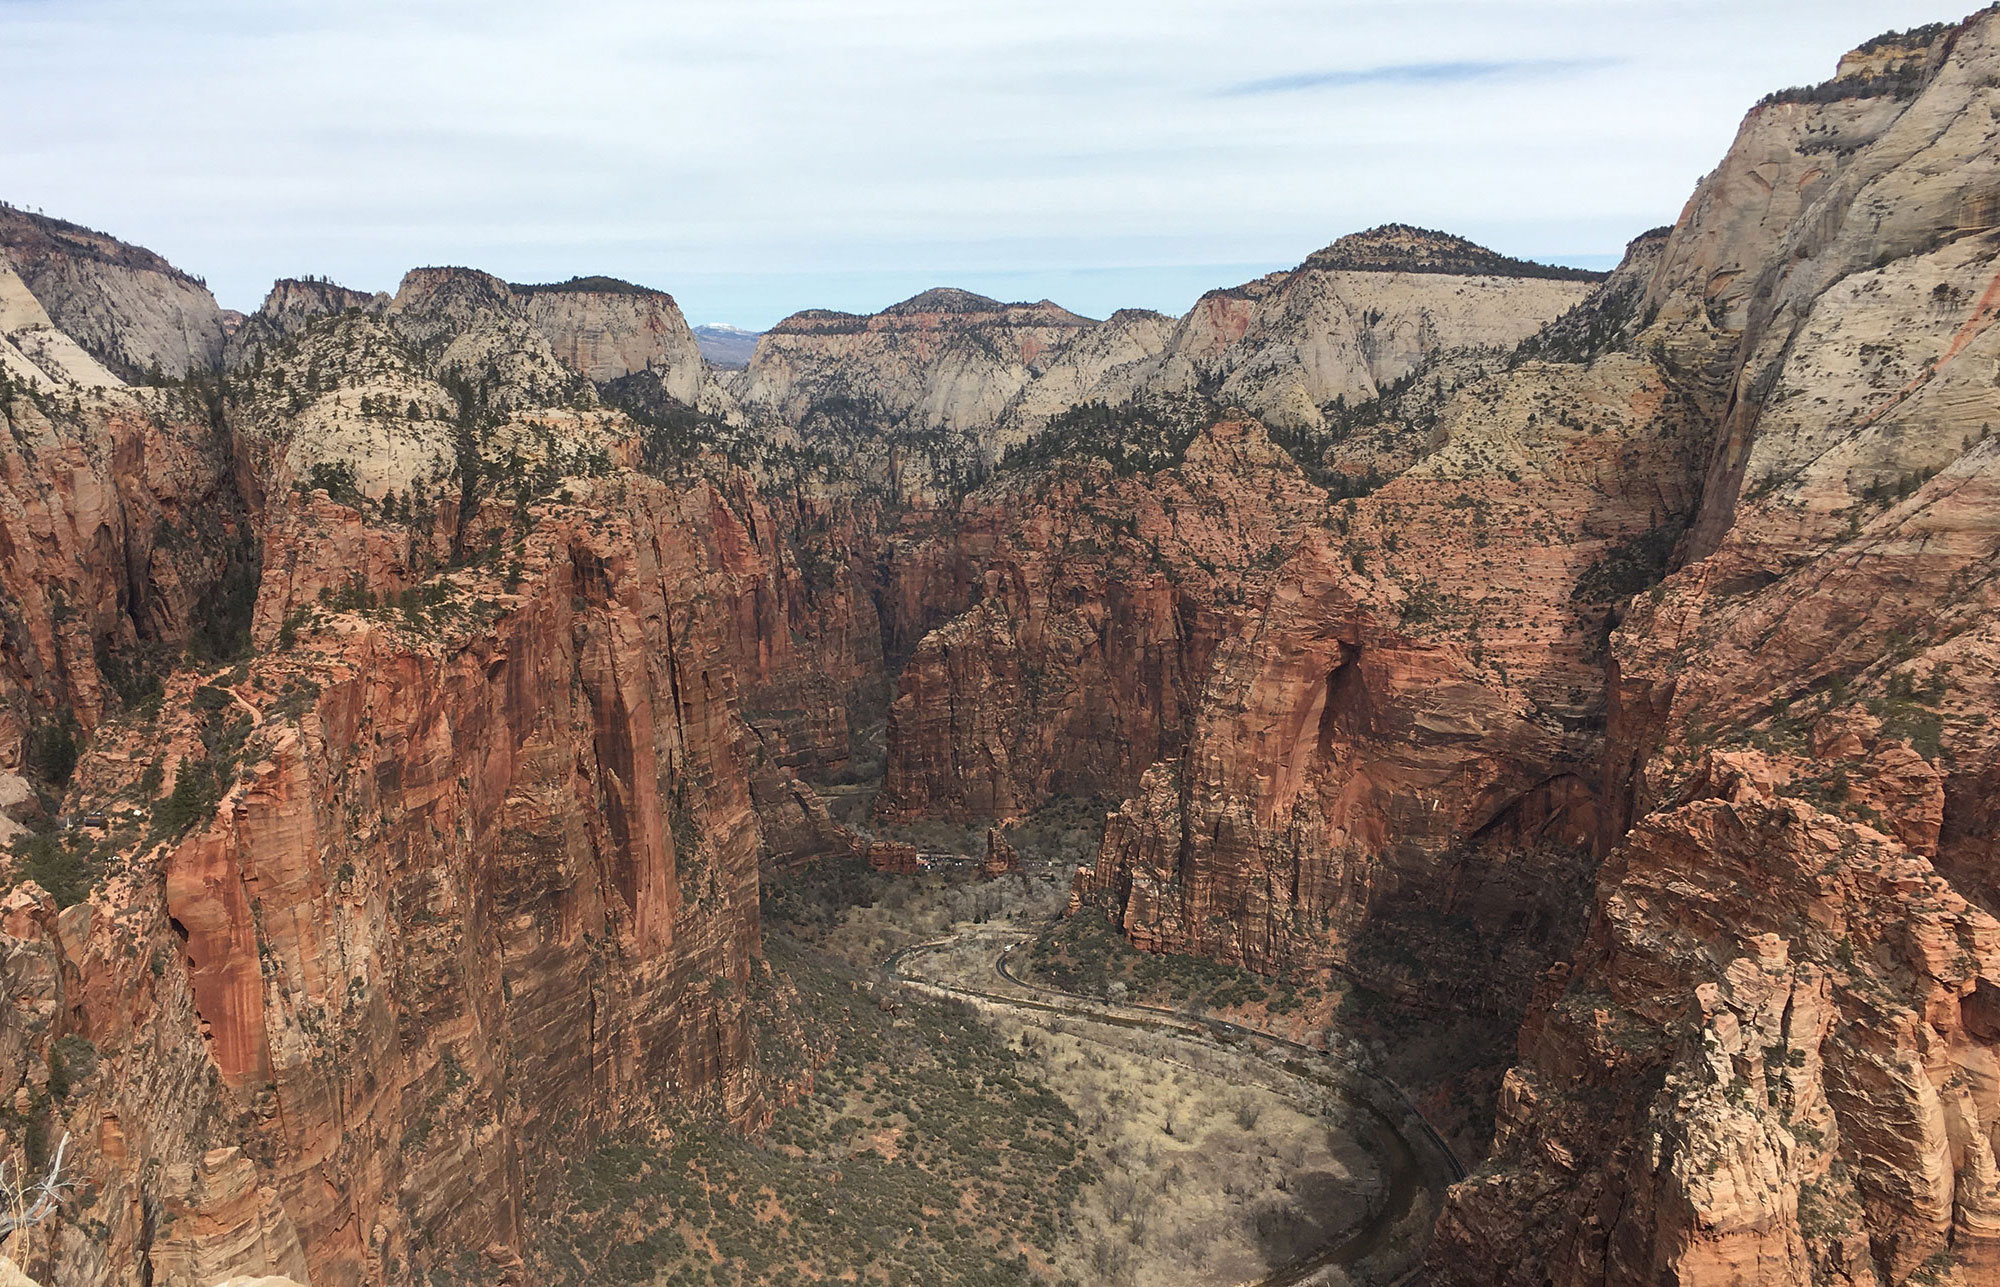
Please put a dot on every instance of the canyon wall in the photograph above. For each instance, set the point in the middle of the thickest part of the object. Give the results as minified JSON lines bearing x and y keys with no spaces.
{"x":123,"y":542}
{"x":1093,"y":602}
{"x":448,"y":855}
{"x":943,"y":360}
{"x":130,"y":309}
{"x":1391,"y":765}
{"x":1771,"y":1058}
{"x":1614,"y":658}
{"x":605,"y":329}
{"x":481,"y":877}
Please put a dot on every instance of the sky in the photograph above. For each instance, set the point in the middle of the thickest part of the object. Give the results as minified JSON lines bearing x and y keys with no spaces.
{"x":755,"y":157}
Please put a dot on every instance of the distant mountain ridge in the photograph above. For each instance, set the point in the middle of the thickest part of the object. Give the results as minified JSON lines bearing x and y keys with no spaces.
{"x":727,"y":347}
{"x":1355,"y":316}
{"x":1402,"y":248}
{"x":1591,"y":681}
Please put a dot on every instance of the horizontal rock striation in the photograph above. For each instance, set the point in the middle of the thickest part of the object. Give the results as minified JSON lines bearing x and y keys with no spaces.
{"x":1607,"y":660}
{"x":605,"y":329}
{"x":1768,"y":1059}
{"x":1091,"y":606}
{"x":461,"y":860}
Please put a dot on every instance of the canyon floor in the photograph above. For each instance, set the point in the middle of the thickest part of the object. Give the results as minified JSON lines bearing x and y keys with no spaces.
{"x":1223,"y":1145}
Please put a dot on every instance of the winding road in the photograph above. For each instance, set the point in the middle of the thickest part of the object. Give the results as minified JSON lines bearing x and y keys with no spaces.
{"x":1401,"y":1147}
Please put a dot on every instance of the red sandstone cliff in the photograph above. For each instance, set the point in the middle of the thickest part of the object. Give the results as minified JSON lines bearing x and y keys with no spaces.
{"x":1768,"y":1061}
{"x":483,"y":872}
{"x":1093,"y":604}
{"x":477,"y":865}
{"x":1409,"y":762}
{"x":1392,"y":762}
{"x":122,"y":542}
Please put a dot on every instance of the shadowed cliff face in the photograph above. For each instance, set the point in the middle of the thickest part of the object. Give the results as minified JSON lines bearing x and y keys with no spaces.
{"x":1769,"y":1058}
{"x":123,"y":541}
{"x":1392,"y":766}
{"x":1631,"y":682}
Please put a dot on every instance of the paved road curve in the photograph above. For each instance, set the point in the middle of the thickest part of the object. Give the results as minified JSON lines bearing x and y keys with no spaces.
{"x":1406,"y":1173}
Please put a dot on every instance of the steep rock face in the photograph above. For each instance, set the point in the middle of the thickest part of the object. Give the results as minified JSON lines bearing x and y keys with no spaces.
{"x":130,"y":309}
{"x":166,"y":1191}
{"x":808,"y":637}
{"x":121,"y":537}
{"x":483,"y":875}
{"x":1084,"y":610}
{"x":1083,"y":369}
{"x":1769,"y":1060}
{"x":475,"y":890}
{"x":1391,"y":764}
{"x":33,"y":352}
{"x":605,"y":329}
{"x":943,"y":360}
{"x":1354,"y":318}
{"x":289,"y":307}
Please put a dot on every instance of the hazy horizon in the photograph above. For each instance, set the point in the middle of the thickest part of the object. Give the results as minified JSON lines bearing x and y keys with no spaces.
{"x":781,"y":156}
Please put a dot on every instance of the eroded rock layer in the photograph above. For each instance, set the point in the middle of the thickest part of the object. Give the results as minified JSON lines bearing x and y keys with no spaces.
{"x":1769,"y":1059}
{"x":456,"y":826}
{"x":436,"y":688}
{"x":130,"y":309}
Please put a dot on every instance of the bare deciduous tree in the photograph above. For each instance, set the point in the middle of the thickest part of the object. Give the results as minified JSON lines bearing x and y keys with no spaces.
{"x":28,"y":1203}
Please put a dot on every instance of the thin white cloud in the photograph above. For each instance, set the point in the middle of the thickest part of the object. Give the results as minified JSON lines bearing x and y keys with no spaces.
{"x":692,"y":145}
{"x":1418,"y":74}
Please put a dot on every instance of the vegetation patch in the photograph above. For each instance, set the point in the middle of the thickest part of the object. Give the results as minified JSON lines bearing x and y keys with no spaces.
{"x":928,"y":1152}
{"x":66,"y":864}
{"x":1630,"y":566}
{"x":1140,"y":437}
{"x":1086,"y":954}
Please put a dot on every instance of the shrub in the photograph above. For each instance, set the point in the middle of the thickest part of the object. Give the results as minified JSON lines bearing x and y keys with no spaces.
{"x":63,"y":864}
{"x":51,"y":748}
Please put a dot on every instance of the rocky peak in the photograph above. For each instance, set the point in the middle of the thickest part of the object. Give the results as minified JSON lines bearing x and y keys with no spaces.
{"x":1401,"y":248}
{"x":290,"y":305}
{"x":35,"y":236}
{"x":946,"y":299}
{"x":300,"y":297}
{"x":606,"y":329}
{"x":1893,"y":49}
{"x":1126,"y":317}
{"x":457,"y":295}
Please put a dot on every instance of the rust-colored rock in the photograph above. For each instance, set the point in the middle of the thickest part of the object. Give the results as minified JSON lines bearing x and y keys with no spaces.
{"x":1766,"y":1062}
{"x":1092,"y":605}
{"x":894,"y":857}
{"x":1001,"y":858}
{"x":120,"y":531}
